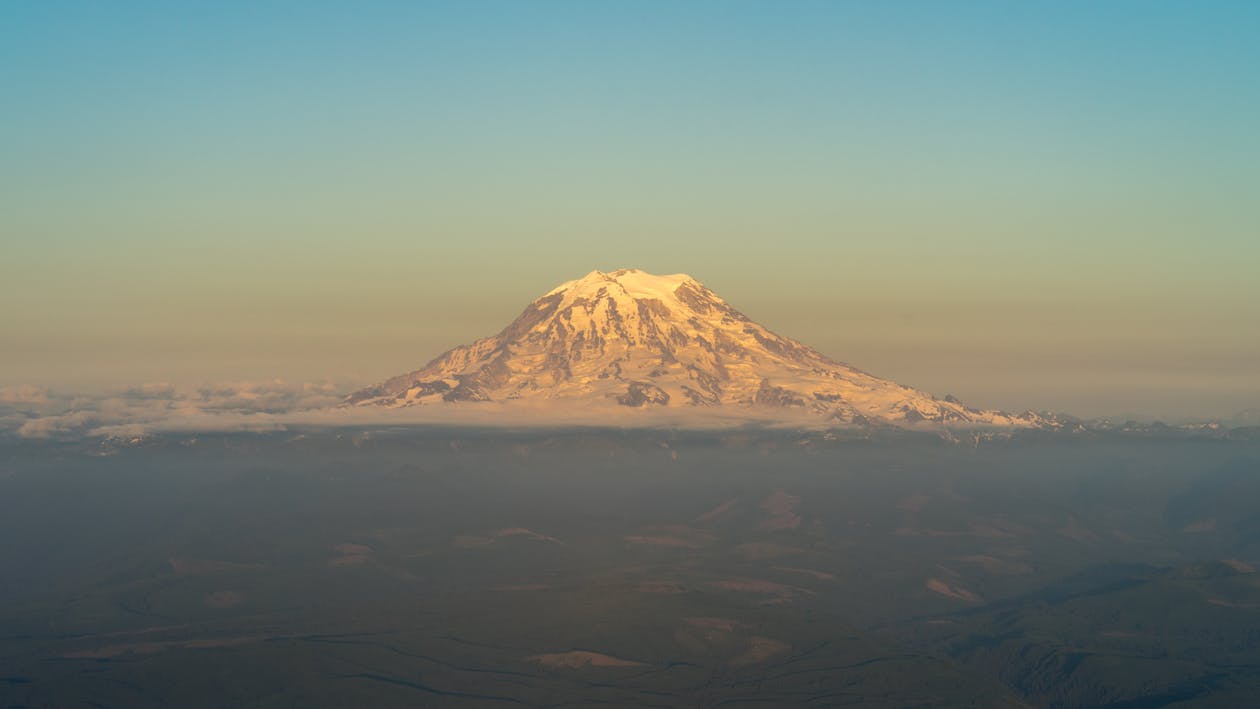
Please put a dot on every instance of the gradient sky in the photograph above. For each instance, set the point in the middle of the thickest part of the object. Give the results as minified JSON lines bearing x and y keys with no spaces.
{"x":1029,"y":205}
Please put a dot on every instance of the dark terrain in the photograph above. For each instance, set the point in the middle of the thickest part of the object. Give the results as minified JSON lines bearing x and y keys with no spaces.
{"x":445,"y":567}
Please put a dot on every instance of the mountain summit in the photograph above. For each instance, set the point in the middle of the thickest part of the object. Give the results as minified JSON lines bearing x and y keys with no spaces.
{"x":634,"y":339}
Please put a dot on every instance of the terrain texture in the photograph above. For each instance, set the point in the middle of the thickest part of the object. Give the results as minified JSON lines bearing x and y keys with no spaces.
{"x":485,"y":568}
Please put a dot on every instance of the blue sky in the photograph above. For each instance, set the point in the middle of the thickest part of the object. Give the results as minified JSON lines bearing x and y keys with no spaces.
{"x":1047,"y":205}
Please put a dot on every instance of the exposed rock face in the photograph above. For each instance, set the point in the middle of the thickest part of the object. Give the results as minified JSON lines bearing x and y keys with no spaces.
{"x":641,"y":340}
{"x":643,"y":393}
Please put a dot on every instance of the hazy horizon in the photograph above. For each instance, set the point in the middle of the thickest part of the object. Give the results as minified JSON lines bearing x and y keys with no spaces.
{"x":1098,"y":384}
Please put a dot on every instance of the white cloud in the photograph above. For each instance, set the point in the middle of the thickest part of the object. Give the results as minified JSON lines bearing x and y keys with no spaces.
{"x":239,"y":405}
{"x":49,"y":426}
{"x":274,"y":405}
{"x":23,"y":394}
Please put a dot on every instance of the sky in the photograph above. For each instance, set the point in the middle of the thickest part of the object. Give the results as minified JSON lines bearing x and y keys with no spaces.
{"x":1033,"y":205}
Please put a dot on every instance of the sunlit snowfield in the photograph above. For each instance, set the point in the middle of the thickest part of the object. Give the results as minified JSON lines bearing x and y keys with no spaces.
{"x":445,"y":567}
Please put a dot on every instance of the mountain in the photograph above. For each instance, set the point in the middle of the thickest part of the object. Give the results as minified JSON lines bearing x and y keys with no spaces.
{"x":633,"y":339}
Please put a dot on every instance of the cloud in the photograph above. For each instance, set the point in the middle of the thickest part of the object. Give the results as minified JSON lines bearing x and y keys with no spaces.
{"x":272,"y":396}
{"x":274,"y":405}
{"x":158,"y":406}
{"x":23,"y":394}
{"x":49,"y":426}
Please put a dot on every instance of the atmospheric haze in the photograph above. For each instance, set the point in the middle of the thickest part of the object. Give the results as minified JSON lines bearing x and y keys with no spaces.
{"x":687,"y":354}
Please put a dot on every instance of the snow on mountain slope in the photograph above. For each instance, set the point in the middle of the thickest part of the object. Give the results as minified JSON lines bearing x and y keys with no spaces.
{"x":639,"y":340}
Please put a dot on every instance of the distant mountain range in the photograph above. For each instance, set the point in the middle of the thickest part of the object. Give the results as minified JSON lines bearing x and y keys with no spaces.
{"x":632,"y":339}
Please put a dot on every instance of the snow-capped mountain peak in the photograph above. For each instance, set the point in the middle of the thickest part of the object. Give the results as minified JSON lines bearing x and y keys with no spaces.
{"x":632,"y":338}
{"x":631,"y":281}
{"x":623,"y":286}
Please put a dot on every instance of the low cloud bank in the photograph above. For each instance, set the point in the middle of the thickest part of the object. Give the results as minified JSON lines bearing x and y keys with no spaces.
{"x":35,"y":412}
{"x":23,"y":394}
